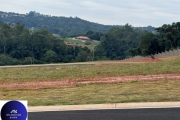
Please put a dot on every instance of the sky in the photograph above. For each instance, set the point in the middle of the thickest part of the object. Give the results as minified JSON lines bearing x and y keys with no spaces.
{"x":138,"y":13}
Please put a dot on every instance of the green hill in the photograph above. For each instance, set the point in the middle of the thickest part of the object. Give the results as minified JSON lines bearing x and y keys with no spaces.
{"x":64,"y":26}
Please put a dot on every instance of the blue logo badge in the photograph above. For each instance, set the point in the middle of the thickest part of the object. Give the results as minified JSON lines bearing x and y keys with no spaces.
{"x":13,"y":110}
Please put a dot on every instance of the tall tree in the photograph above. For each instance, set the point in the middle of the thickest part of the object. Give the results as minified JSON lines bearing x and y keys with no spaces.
{"x":118,"y":41}
{"x":149,"y":44}
{"x":5,"y":34}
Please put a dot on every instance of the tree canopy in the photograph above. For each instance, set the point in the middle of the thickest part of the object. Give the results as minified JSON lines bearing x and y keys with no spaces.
{"x":167,"y":38}
{"x":63,"y":26}
{"x":118,"y":41}
{"x":20,"y":45}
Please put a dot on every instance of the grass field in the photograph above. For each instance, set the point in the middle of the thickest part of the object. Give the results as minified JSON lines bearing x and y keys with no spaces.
{"x":19,"y":75}
{"x":69,"y":40}
{"x":82,"y":43}
{"x":158,"y":91}
{"x":136,"y":91}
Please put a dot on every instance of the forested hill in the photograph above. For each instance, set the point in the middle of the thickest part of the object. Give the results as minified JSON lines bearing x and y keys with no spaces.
{"x":64,"y":26}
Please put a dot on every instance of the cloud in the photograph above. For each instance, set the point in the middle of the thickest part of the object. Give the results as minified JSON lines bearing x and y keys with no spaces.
{"x":114,"y":12}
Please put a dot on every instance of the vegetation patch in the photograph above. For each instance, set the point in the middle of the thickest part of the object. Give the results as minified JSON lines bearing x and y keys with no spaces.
{"x":135,"y":91}
{"x":72,"y":73}
{"x":154,"y":91}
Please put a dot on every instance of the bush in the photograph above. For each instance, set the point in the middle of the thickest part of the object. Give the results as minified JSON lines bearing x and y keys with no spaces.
{"x":50,"y":56}
{"x":28,"y":61}
{"x":87,"y":43}
{"x":7,"y":60}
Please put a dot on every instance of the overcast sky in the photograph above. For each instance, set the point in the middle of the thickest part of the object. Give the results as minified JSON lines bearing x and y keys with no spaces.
{"x":109,"y":12}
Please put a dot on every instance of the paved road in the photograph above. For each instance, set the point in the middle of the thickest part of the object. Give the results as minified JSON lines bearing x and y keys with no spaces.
{"x":116,"y":114}
{"x":48,"y":65}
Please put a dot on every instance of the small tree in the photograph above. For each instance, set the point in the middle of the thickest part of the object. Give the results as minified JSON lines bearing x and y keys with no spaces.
{"x":87,"y":43}
{"x":82,"y":56}
{"x":50,"y":56}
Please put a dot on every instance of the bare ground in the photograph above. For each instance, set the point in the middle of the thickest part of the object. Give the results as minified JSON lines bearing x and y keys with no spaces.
{"x":54,"y":84}
{"x":143,"y":60}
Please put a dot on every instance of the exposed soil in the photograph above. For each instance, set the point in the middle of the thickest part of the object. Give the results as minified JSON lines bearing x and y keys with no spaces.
{"x":143,"y":60}
{"x":38,"y":85}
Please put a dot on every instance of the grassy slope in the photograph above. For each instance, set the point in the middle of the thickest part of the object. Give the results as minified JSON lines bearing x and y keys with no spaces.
{"x":164,"y":90}
{"x":81,"y":43}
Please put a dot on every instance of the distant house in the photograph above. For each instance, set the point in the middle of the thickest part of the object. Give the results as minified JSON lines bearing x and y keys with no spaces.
{"x":82,"y":38}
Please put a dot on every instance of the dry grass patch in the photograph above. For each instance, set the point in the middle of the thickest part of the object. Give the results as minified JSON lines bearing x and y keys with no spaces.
{"x":20,"y":75}
{"x":136,"y":91}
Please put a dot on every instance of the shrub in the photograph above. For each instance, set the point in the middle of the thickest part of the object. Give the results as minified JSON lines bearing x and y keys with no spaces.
{"x":87,"y":43}
{"x":7,"y":60}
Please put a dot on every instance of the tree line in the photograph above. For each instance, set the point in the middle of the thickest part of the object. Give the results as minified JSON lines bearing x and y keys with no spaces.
{"x":63,"y":26}
{"x":117,"y":43}
{"x":167,"y":38}
{"x":19,"y":45}
{"x":120,"y":43}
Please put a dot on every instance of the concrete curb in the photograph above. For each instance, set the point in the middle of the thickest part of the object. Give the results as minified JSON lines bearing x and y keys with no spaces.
{"x":105,"y":106}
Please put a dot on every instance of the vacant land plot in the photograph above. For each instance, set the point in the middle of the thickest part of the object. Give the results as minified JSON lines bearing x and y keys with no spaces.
{"x":154,"y":91}
{"x":90,"y":84}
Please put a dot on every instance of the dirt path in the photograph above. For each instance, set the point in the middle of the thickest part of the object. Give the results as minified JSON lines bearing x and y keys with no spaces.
{"x":38,"y":85}
{"x":143,"y":60}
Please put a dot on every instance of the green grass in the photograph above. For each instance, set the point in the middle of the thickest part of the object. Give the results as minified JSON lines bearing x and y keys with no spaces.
{"x":69,"y":40}
{"x":81,"y":43}
{"x":135,"y":91}
{"x":156,"y":91}
{"x":19,"y":75}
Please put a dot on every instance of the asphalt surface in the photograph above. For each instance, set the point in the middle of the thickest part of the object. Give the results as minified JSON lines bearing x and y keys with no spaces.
{"x":114,"y":114}
{"x":49,"y":65}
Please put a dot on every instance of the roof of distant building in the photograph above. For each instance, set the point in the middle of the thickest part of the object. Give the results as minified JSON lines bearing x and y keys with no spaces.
{"x":82,"y":37}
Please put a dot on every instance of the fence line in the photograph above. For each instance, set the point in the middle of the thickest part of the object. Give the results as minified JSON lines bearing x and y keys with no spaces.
{"x":169,"y":53}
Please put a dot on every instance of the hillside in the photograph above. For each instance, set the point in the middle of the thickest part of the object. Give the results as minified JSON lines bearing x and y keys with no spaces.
{"x":63,"y":26}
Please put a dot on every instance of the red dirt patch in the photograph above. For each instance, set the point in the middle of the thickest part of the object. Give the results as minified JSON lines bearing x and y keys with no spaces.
{"x":38,"y":85}
{"x":143,"y":60}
